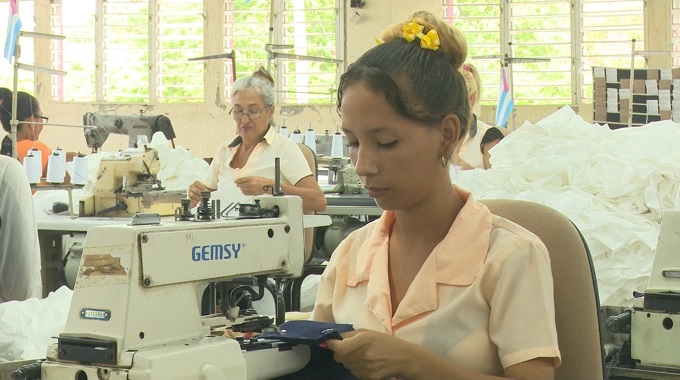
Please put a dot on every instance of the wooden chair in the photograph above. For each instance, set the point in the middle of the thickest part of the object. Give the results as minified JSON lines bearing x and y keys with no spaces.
{"x":577,"y":306}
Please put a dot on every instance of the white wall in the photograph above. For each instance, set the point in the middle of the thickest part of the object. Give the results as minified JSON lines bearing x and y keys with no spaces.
{"x":202,"y":127}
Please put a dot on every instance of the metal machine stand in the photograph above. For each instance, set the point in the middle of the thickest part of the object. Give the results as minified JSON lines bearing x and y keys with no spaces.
{"x":14,"y":123}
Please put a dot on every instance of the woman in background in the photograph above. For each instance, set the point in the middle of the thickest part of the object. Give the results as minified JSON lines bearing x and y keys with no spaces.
{"x":468,"y":156}
{"x":491,"y":138}
{"x":247,"y":162}
{"x":31,"y":122}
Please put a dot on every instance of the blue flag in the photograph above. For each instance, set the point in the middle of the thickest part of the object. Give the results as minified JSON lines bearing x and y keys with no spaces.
{"x":505,"y":102}
{"x":13,"y":29}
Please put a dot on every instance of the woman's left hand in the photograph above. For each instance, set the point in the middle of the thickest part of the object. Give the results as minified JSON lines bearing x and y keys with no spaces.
{"x":254,"y":185}
{"x":371,"y":355}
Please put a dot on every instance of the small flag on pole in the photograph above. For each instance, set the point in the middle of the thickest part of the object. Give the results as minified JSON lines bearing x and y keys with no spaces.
{"x":505,"y":102}
{"x":13,"y":28}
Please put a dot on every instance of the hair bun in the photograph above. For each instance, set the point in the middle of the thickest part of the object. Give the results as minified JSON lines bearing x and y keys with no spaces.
{"x":452,"y":44}
{"x":263,"y":74}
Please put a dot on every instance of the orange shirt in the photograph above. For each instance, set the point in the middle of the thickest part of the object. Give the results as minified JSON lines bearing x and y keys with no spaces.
{"x":25,"y":145}
{"x":483,"y":298}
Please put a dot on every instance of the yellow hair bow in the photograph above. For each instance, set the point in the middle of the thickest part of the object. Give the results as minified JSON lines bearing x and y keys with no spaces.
{"x":427,"y":41}
{"x":430,"y":40}
{"x":411,"y":30}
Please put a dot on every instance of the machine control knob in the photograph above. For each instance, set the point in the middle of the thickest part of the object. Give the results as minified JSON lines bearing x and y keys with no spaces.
{"x":619,"y":323}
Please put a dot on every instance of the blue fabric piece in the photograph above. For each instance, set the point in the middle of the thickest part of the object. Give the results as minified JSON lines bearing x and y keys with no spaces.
{"x":308,"y":332}
{"x":321,"y":364}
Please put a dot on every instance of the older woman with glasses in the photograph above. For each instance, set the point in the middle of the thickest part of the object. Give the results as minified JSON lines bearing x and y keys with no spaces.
{"x":247,"y":162}
{"x":31,"y":122}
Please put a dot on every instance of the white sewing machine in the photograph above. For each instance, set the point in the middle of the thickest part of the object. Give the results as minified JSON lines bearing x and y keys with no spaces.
{"x":655,"y":325}
{"x":135,"y":312}
{"x":102,"y":125}
{"x":127,"y":185}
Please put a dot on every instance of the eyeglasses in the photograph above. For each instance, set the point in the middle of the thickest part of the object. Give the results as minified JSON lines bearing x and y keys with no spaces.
{"x":252,"y":115}
{"x":43,"y":119}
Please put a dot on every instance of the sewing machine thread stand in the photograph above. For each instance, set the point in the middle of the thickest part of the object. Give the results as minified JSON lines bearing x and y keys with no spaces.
{"x":183,"y":213}
{"x":277,"y":177}
{"x":204,"y":211}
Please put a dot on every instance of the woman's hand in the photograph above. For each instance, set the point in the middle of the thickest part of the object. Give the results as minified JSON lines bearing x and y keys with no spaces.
{"x":255,"y":185}
{"x":371,"y":355}
{"x":195,"y":190}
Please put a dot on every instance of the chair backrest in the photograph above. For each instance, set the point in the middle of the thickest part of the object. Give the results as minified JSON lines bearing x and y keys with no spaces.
{"x":310,"y":156}
{"x":577,"y":306}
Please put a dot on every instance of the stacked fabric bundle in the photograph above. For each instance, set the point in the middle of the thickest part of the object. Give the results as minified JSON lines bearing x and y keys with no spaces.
{"x":613,"y":184}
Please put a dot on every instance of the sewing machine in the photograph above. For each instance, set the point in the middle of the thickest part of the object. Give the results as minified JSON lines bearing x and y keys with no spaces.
{"x":333,"y":168}
{"x":135,"y":312}
{"x":348,"y":204}
{"x":126,"y":185}
{"x":350,"y":208}
{"x":653,"y":323}
{"x":132,"y":125}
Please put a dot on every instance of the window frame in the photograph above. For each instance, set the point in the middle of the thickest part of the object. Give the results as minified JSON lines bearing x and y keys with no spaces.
{"x":152,"y":10}
{"x":580,"y":72}
{"x":276,"y":65}
{"x":675,"y":33}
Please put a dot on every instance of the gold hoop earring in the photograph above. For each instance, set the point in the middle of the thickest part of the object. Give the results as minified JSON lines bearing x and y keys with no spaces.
{"x":444,"y":161}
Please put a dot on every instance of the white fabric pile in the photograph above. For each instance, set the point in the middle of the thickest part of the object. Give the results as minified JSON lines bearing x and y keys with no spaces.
{"x":28,"y":327}
{"x":613,"y":184}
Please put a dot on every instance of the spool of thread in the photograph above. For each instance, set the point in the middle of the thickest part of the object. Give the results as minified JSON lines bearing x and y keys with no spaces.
{"x":33,"y":168}
{"x":62,"y":156}
{"x":37,"y":153}
{"x":310,"y":139}
{"x":283,"y":131}
{"x":336,"y":146}
{"x":296,"y":136}
{"x":60,"y":152}
{"x":56,"y":167}
{"x":79,"y":174}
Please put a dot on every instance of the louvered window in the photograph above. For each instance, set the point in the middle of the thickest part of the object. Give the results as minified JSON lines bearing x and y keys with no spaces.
{"x":607,"y":30}
{"x":302,"y":28}
{"x":574,"y":35}
{"x":128,"y":51}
